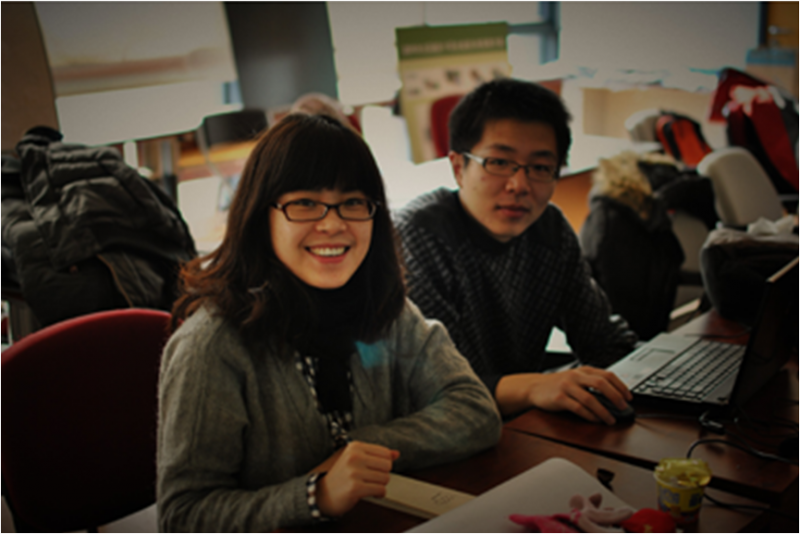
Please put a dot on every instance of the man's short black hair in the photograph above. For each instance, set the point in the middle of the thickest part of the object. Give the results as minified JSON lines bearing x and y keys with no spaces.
{"x":507,"y":98}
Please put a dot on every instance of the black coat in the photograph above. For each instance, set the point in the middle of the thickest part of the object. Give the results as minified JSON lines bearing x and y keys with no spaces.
{"x":86,"y":232}
{"x":636,"y":261}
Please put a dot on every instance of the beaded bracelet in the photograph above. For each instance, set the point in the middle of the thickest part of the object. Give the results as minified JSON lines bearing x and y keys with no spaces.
{"x":311,"y":497}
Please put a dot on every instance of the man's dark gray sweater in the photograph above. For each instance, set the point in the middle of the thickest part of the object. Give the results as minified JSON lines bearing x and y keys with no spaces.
{"x":500,"y":301}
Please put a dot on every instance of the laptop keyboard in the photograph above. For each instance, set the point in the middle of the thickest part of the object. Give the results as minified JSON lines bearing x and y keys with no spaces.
{"x":695,"y":373}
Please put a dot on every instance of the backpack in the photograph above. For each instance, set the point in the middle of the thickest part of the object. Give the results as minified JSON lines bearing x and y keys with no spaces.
{"x":681,"y":138}
{"x":764,"y":121}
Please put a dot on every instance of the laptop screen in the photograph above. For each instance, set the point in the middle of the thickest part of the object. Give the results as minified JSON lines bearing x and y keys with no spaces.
{"x":775,"y":330}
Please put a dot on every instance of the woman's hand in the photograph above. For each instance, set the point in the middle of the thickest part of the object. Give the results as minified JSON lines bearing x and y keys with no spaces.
{"x":328,"y":464}
{"x":359,"y":470}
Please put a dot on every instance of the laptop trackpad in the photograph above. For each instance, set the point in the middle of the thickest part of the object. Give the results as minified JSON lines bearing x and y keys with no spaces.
{"x":647,"y":359}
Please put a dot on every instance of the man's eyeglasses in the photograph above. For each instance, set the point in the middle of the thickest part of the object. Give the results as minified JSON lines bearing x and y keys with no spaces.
{"x":504,"y":168}
{"x":304,"y":209}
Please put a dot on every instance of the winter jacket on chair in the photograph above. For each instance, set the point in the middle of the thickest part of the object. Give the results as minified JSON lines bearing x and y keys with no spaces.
{"x":628,"y":241}
{"x":87,"y":232}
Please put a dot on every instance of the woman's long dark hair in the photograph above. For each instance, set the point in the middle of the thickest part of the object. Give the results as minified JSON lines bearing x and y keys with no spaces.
{"x":243,"y":279}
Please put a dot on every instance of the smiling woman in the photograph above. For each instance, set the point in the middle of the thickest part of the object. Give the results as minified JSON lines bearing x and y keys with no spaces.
{"x":298,"y":375}
{"x":298,"y":161}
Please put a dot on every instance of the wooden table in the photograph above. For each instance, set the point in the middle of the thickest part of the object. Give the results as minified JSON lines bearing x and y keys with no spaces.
{"x":518,"y":452}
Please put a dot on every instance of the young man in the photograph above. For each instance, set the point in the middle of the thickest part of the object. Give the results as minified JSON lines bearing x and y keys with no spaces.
{"x":500,"y":266}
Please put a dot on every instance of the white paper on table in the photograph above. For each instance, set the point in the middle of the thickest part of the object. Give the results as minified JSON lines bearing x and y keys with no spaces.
{"x":542,"y":490}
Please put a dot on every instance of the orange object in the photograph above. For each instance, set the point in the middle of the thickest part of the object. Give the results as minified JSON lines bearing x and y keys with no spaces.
{"x":681,"y":138}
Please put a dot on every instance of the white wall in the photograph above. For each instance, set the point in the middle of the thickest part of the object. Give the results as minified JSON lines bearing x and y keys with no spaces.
{"x":658,"y":35}
{"x":363,"y":47}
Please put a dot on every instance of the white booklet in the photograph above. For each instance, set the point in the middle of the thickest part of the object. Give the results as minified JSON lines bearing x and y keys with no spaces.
{"x":420,"y":498}
{"x":545,"y":489}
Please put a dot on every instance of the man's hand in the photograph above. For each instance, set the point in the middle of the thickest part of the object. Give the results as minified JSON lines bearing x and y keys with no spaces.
{"x":358,"y":470}
{"x":565,"y":390}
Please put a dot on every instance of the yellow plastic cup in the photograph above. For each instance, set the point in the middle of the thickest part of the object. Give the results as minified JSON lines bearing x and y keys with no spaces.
{"x":681,"y":484}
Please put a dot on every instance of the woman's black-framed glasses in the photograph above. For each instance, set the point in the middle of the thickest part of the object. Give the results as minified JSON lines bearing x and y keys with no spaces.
{"x":304,"y":209}
{"x":504,"y":168}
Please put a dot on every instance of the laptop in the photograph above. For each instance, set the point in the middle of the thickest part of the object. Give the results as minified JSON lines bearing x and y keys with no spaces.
{"x":696,"y":372}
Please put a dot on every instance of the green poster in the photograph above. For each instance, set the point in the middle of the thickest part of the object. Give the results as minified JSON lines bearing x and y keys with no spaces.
{"x":437,"y":62}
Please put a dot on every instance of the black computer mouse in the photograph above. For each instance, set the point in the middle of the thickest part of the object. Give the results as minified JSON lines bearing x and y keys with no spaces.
{"x":622,"y":416}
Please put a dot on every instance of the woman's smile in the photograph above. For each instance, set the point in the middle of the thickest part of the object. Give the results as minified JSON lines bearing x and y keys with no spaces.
{"x":329,"y":254}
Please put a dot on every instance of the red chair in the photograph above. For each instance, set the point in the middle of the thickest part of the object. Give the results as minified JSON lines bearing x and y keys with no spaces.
{"x":440,"y":116}
{"x":79,"y":420}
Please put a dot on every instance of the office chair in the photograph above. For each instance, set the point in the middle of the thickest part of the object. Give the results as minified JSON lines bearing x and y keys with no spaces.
{"x":79,"y":420}
{"x":691,"y":232}
{"x":232,"y":127}
{"x":226,"y":128}
{"x":742,"y":190}
{"x":440,"y":116}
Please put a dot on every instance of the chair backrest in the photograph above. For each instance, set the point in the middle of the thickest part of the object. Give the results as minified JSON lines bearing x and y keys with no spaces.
{"x":742,"y":190}
{"x":79,"y":419}
{"x":235,"y":126}
{"x":440,"y":129}
{"x":641,"y":126}
{"x":691,"y":233}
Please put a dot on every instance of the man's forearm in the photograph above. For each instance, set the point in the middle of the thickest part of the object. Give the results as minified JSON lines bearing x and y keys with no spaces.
{"x":513,"y":392}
